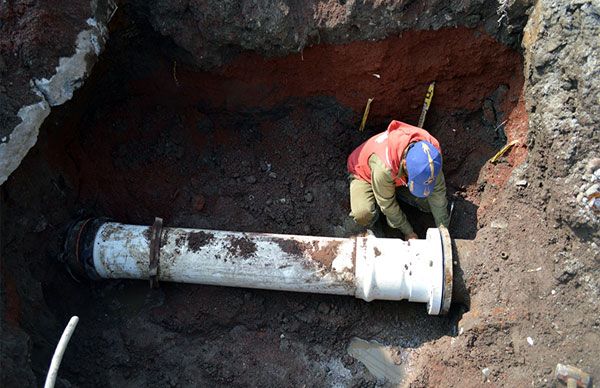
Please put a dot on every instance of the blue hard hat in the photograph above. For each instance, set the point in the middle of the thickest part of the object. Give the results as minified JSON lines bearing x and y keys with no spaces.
{"x":423,"y":164}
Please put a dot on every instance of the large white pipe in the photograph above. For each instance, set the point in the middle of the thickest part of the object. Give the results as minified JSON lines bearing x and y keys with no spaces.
{"x":367,"y":267}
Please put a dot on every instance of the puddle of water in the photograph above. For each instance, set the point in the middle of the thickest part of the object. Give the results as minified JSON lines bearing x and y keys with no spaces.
{"x":382,"y":361}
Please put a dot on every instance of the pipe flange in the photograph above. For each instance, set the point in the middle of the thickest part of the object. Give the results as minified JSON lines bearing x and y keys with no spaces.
{"x":436,"y":274}
{"x":79,"y":246}
{"x":448,"y":273}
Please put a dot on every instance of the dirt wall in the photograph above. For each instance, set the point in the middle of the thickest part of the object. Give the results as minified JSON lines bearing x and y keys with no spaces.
{"x":214,"y":32}
{"x":536,"y":290}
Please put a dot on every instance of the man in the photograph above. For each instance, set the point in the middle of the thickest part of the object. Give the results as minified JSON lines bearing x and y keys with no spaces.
{"x":403,"y":161}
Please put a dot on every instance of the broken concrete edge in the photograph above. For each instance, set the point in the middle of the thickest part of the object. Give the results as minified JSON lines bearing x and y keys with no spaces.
{"x":70,"y":75}
{"x":72,"y":71}
{"x":22,"y":138}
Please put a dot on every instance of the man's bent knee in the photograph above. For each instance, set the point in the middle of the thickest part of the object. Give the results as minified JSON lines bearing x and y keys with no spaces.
{"x":363,"y":217}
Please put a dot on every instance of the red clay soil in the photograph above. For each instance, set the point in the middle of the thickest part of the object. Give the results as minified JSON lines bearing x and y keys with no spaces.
{"x":466,"y":65}
{"x":469,"y":67}
{"x":516,"y":128}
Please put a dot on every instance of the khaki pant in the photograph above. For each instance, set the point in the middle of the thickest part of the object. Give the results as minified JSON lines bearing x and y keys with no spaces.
{"x":364,"y":209}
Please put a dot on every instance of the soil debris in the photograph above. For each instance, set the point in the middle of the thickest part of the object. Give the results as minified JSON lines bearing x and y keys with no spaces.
{"x":147,"y":233}
{"x":241,"y":246}
{"x":326,"y":254}
{"x":292,"y":247}
{"x":197,"y":240}
{"x":180,"y":240}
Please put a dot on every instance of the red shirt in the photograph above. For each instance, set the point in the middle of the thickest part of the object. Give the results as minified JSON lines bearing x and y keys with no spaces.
{"x":389,"y":146}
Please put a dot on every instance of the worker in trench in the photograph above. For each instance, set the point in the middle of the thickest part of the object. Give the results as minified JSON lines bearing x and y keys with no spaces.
{"x":402,"y":163}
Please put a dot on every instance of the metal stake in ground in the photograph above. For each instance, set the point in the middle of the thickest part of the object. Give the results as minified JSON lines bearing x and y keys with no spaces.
{"x":363,"y":122}
{"x":428,"y":98}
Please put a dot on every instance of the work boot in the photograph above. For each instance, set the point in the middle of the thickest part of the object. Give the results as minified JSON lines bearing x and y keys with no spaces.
{"x":348,"y":228}
{"x":377,"y":228}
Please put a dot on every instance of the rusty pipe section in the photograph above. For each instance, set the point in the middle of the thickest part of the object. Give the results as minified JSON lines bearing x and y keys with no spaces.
{"x":364,"y":266}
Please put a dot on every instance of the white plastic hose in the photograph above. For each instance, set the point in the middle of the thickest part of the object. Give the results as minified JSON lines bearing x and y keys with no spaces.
{"x":59,"y":352}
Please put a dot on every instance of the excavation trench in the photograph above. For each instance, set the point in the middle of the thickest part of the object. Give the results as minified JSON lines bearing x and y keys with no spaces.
{"x":257,"y":145}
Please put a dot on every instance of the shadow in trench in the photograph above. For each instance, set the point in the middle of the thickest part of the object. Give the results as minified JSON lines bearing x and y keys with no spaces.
{"x":463,"y":223}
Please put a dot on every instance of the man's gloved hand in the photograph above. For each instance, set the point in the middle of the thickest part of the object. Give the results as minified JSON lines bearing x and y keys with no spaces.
{"x":411,"y":236}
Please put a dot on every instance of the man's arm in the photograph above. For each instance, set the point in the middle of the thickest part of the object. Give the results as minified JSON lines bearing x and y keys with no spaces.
{"x":439,"y":203}
{"x":384,"y":191}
